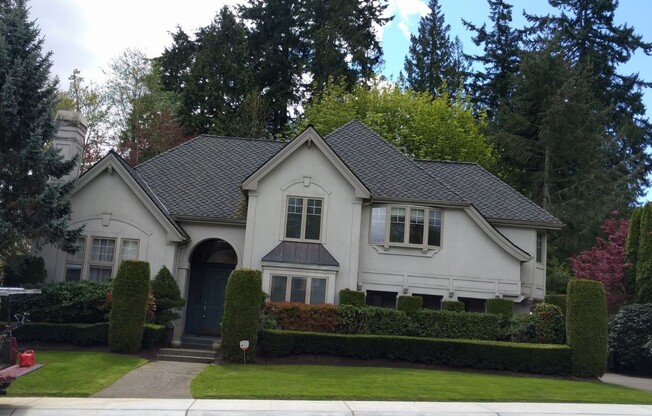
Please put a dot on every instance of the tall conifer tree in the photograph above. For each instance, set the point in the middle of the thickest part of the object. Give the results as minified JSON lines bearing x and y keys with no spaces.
{"x":631,"y":251}
{"x":34,"y":200}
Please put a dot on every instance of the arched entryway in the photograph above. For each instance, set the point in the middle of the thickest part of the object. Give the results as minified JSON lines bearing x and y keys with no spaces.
{"x":211,"y":264}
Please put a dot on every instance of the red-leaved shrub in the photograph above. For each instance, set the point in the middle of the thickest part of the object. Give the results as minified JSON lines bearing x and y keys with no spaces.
{"x":292,"y":316}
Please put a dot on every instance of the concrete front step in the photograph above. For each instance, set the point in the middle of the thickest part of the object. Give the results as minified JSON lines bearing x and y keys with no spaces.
{"x":184,"y":358}
{"x":197,"y":342}
{"x":187,"y":352}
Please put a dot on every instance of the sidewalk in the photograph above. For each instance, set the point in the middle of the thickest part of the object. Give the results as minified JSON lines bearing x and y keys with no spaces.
{"x":640,"y":383}
{"x":188,"y":407}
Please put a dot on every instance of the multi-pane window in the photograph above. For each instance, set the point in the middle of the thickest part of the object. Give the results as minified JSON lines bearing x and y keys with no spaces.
{"x":101,"y":260}
{"x":303,"y":221}
{"x":407,"y":225}
{"x":298,"y":289}
{"x":75,"y":262}
{"x":129,"y":250}
{"x":539,"y":247}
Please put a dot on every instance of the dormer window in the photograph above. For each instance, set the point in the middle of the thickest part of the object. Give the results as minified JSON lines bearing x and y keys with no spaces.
{"x":407,"y":226}
{"x":303,"y":220}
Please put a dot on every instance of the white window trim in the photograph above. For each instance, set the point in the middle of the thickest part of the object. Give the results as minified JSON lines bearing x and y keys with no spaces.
{"x":543,"y":248}
{"x":94,"y":263}
{"x":286,"y":270}
{"x":122,"y":242}
{"x":77,"y":262}
{"x":406,"y":235}
{"x":304,"y":216}
{"x":288,"y":286}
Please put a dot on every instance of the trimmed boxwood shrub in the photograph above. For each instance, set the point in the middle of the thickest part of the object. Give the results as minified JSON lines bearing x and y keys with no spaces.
{"x":461,"y":325}
{"x":630,"y":329}
{"x":558,"y":300}
{"x":452,"y":305}
{"x":494,"y":355}
{"x":352,"y":297}
{"x":371,"y":320}
{"x":81,"y":334}
{"x":167,"y":297}
{"x":65,"y":302}
{"x":501,"y":307}
{"x":409,"y":304}
{"x":301,"y":317}
{"x":241,"y":314}
{"x":586,"y":327}
{"x":129,"y":306}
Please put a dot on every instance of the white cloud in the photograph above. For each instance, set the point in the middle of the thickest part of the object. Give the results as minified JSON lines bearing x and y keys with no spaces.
{"x":403,"y":12}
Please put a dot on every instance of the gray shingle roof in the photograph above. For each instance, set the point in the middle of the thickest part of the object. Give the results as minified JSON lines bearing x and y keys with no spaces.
{"x":385,"y":171}
{"x":301,"y":253}
{"x":201,"y":178}
{"x":491,"y":196}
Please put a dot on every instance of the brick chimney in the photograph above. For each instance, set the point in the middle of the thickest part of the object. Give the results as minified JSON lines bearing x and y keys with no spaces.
{"x":70,"y":137}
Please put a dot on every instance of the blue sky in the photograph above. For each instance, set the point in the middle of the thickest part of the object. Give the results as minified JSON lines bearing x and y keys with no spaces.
{"x":87,"y":34}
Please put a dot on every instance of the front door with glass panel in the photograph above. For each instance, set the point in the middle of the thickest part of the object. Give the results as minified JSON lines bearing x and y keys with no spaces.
{"x":206,"y":298}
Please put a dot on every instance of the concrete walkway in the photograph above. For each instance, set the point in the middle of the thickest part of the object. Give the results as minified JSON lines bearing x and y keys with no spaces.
{"x":162,"y":407}
{"x":157,"y":379}
{"x":639,"y":383}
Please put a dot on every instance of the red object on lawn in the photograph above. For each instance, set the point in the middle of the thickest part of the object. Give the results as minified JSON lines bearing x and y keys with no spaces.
{"x":26,"y":359}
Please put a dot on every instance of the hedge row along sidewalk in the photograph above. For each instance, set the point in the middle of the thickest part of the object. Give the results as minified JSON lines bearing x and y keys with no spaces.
{"x":491,"y":355}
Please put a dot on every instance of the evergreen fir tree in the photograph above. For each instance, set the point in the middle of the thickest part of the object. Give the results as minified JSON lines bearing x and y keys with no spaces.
{"x":167,"y":297}
{"x":431,"y":64}
{"x":492,"y":86}
{"x":631,"y":251}
{"x":34,"y":200}
{"x":644,"y":264}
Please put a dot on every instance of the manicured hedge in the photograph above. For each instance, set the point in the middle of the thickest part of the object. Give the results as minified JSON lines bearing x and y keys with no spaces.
{"x":629,"y":331}
{"x":167,"y":297}
{"x":409,"y":304}
{"x":129,"y":306}
{"x":65,"y":302}
{"x":301,"y":317}
{"x":500,"y":307}
{"x":352,"y":297}
{"x":81,"y":334}
{"x":452,"y":305}
{"x":241,"y":314}
{"x":371,"y":320}
{"x":461,"y":325}
{"x":543,"y":359}
{"x":558,"y":300}
{"x":586,"y":327}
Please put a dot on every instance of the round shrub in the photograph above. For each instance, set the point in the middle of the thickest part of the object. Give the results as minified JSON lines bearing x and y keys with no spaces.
{"x":409,"y":304}
{"x":452,"y":305}
{"x":629,"y":331}
{"x":586,"y":327}
{"x":129,"y":306}
{"x":167,"y":297}
{"x":501,"y":307}
{"x":549,"y":324}
{"x":241,"y":314}
{"x":352,"y":297}
{"x":24,"y":271}
{"x":558,"y":300}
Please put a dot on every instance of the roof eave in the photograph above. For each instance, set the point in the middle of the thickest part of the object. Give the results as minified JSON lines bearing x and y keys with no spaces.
{"x":528,"y":224}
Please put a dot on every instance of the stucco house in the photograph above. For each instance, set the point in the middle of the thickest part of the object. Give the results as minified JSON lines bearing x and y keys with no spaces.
{"x":315,"y":214}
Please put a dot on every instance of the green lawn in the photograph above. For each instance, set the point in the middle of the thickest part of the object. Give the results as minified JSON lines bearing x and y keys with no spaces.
{"x":73,"y":373}
{"x":373,"y":383}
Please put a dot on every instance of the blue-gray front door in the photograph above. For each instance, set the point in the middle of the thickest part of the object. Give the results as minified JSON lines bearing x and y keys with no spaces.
{"x":206,"y":298}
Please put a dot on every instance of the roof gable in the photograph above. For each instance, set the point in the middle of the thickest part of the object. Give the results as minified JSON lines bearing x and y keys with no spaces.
{"x":308,"y":137}
{"x":116,"y":165}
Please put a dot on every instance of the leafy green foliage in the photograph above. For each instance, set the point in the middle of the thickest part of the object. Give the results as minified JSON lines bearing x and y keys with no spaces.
{"x":586,"y":327}
{"x":422,"y":126}
{"x":167,"y":297}
{"x":629,"y":330}
{"x":631,"y":251}
{"x":241,"y":310}
{"x":371,"y":320}
{"x":459,"y":325}
{"x":502,"y":307}
{"x":24,"y":271}
{"x":352,"y":297}
{"x":558,"y":274}
{"x":434,"y":63}
{"x":544,"y":326}
{"x":129,"y":306}
{"x":302,"y":317}
{"x":409,"y":304}
{"x":34,"y":199}
{"x":65,"y":302}
{"x":557,"y":300}
{"x":452,"y":305}
{"x":644,"y":264}
{"x":495,"y":355}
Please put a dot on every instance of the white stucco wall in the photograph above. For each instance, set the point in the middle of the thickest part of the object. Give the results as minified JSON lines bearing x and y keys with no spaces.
{"x":108,"y":207}
{"x":306,"y":173}
{"x":533,"y":274}
{"x":468,"y":264}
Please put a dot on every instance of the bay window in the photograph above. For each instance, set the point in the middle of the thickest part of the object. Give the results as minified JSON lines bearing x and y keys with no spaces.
{"x":301,"y":289}
{"x":407,"y":225}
